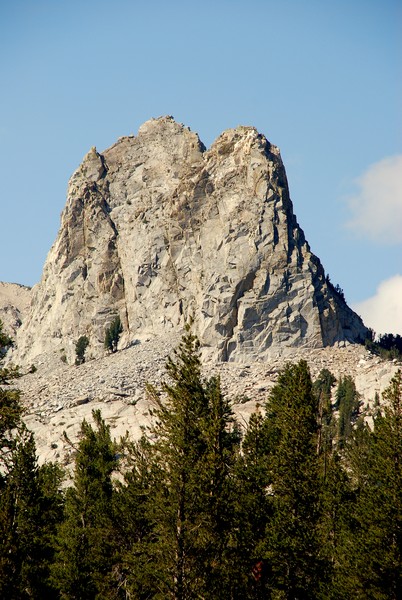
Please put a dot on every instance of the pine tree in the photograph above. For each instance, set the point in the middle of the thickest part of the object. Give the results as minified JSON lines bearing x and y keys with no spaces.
{"x":348,"y":401}
{"x":83,"y":568}
{"x":375,"y":549}
{"x":322,"y":388}
{"x":337,"y":501}
{"x":253,"y":511}
{"x":292,"y":536}
{"x":10,"y":424}
{"x":216,"y":480}
{"x":30,"y":509}
{"x":134,"y":524}
{"x":10,"y":409}
{"x":194,"y":447}
{"x":30,"y":502}
{"x":80,"y":348}
{"x":9,"y":373}
{"x":112,"y":334}
{"x":17,"y":499}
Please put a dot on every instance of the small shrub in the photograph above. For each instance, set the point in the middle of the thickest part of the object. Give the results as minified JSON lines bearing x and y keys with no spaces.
{"x":112,"y":334}
{"x":241,"y":399}
{"x":80,"y":348}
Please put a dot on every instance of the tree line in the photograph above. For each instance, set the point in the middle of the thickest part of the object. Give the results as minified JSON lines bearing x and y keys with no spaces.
{"x":387,"y":345}
{"x":306,"y":503}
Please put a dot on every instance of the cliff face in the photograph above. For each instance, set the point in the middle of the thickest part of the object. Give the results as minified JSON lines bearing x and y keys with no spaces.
{"x":160,"y":230}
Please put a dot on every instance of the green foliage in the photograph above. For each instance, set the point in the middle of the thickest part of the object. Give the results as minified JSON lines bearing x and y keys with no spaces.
{"x":374,"y":548}
{"x":253,"y":509}
{"x":112,"y":334}
{"x":80,"y":348}
{"x":30,"y":508}
{"x":10,"y":424}
{"x":322,"y":388}
{"x":324,"y":383}
{"x":336,"y":289}
{"x":134,"y":499}
{"x":388,"y":346}
{"x":30,"y":501}
{"x":348,"y":402}
{"x":5,"y":341}
{"x":10,"y":412}
{"x":195,"y":448}
{"x":389,"y":341}
{"x":195,"y":513}
{"x":85,"y":551}
{"x":9,"y":373}
{"x":335,"y":528}
{"x":292,"y":538}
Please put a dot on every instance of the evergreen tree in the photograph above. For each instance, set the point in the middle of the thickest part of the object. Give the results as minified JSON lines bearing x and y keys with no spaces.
{"x":222,"y":439}
{"x":5,"y":341}
{"x":83,"y":568}
{"x":253,"y":511}
{"x":80,"y":349}
{"x":134,"y":528}
{"x":30,"y":509}
{"x":322,"y":387}
{"x":347,"y":401}
{"x":336,"y":526}
{"x":9,"y":373}
{"x":17,"y":500}
{"x":10,"y":410}
{"x":112,"y":334}
{"x":10,"y":424}
{"x":375,"y":548}
{"x":292,"y":536}
{"x":194,"y":448}
{"x":336,"y":495}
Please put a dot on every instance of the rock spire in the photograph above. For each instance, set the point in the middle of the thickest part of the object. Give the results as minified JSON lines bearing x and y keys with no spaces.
{"x":160,"y":230}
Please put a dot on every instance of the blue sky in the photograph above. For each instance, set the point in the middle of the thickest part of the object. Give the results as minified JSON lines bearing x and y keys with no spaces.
{"x":322,"y":80}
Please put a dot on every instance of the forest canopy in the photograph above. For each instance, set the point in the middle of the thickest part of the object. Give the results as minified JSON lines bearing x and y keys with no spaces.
{"x":305,"y":502}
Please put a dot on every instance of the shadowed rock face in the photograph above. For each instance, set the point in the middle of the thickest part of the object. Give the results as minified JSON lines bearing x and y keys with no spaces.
{"x":161,"y":230}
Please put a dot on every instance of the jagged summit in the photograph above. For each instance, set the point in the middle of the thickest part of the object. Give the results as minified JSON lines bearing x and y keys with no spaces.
{"x":160,"y":230}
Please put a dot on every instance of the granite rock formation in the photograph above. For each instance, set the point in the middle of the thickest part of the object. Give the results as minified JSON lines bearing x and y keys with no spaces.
{"x":160,"y":230}
{"x":14,"y":306}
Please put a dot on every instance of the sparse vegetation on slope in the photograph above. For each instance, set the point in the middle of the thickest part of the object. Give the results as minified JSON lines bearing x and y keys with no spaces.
{"x":112,"y":334}
{"x":387,"y":346}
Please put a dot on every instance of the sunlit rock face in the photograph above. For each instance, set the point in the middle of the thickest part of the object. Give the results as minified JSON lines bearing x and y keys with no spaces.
{"x":162,"y":231}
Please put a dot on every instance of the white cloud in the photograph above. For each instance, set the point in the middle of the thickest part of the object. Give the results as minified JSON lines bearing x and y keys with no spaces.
{"x":377,"y":207}
{"x":383,"y":312}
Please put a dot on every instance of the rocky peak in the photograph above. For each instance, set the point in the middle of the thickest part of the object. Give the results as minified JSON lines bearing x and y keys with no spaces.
{"x":160,"y":230}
